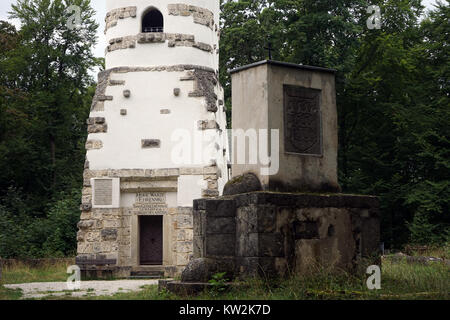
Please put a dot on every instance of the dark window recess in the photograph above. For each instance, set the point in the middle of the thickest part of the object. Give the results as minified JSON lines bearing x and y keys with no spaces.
{"x":153,"y":21}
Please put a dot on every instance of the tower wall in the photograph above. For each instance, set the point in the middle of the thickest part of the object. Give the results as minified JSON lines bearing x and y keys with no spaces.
{"x":158,"y":98}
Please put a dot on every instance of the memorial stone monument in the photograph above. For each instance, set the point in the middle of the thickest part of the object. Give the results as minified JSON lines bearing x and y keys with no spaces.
{"x":294,"y":219}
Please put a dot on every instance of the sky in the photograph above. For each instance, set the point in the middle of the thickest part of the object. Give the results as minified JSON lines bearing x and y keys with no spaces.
{"x":99,"y":7}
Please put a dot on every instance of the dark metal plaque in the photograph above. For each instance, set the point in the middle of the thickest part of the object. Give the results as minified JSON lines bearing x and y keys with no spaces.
{"x":151,"y":240}
{"x":302,"y":120}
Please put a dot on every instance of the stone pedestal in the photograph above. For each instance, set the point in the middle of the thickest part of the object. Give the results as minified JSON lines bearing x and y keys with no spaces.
{"x":282,"y":222}
{"x":276,"y":234}
{"x":298,"y":101}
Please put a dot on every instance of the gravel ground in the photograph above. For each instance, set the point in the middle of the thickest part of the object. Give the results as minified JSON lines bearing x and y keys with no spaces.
{"x":38,"y":290}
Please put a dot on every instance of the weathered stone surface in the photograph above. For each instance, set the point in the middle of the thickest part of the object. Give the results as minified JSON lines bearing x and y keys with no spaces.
{"x":105,"y":98}
{"x":98,"y":107}
{"x":210,"y":193}
{"x":306,"y":230}
{"x":205,"y":83}
{"x":109,"y":234}
{"x":184,"y":246}
{"x":202,"y":269}
{"x":307,"y":157}
{"x":151,"y":143}
{"x":220,"y":245}
{"x":128,"y":42}
{"x":201,"y":15}
{"x":174,"y":40}
{"x":93,"y":144}
{"x":102,"y":84}
{"x":199,"y":246}
{"x":96,"y":120}
{"x":185,"y":235}
{"x":113,"y":16}
{"x":86,"y":207}
{"x":97,"y":125}
{"x":86,"y":224}
{"x":216,"y":225}
{"x":275,"y":234}
{"x":207,"y":124}
{"x":184,"y":221}
{"x":245,"y":183}
{"x":116,"y":82}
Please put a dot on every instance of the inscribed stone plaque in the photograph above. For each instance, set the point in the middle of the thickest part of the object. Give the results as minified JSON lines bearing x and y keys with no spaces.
{"x":151,"y":203}
{"x":103,"y":192}
{"x":151,"y":197}
{"x":302,"y":120}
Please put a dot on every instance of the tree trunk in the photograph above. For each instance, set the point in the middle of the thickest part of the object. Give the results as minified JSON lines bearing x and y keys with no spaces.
{"x":53,"y":159}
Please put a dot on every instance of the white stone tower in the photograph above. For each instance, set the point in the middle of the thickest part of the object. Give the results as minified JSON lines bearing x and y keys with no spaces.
{"x":157,"y":136}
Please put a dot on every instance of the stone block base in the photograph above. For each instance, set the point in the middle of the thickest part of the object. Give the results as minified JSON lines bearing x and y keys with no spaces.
{"x":279,"y":234}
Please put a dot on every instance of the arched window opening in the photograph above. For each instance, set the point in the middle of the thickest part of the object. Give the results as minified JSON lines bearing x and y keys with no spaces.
{"x":153,"y":21}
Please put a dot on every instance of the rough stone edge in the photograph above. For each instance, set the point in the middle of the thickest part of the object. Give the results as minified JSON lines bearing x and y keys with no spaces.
{"x":301,"y":200}
{"x":194,"y":11}
{"x":113,"y":16}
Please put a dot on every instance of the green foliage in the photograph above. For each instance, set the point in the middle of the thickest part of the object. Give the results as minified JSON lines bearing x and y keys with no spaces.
{"x":45,"y":93}
{"x":52,"y":236}
{"x":62,"y":220}
{"x":47,"y":271}
{"x":218,"y":283}
{"x":392,"y":96}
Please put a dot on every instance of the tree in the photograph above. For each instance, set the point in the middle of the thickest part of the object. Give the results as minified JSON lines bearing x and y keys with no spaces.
{"x":46,"y":89}
{"x":392,"y":95}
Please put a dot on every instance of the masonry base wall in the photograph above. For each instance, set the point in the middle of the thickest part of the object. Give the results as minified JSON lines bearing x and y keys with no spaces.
{"x":108,"y":238}
{"x":277,"y":234}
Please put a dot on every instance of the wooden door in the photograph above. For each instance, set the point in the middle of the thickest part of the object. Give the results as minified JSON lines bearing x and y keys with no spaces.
{"x":151,"y":240}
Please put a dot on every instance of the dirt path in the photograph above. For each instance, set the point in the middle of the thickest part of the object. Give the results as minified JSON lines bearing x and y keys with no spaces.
{"x":88,"y":288}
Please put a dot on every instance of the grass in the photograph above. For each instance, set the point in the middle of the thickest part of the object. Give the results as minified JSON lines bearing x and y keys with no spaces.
{"x":47,"y":272}
{"x":442,"y":252}
{"x":21,"y":273}
{"x":398,"y":281}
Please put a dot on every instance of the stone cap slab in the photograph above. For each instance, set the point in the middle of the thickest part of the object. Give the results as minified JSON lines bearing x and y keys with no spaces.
{"x":299,"y":200}
{"x":282,"y":64}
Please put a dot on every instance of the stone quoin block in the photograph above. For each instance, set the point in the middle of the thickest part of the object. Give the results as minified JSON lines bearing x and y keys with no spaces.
{"x":207,"y":124}
{"x":97,"y":125}
{"x":150,"y":143}
{"x":220,"y":245}
{"x":109,"y":234}
{"x":116,"y":82}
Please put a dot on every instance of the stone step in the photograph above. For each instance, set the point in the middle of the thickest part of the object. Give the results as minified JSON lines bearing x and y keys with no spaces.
{"x":147,"y":273}
{"x":146,"y":277}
